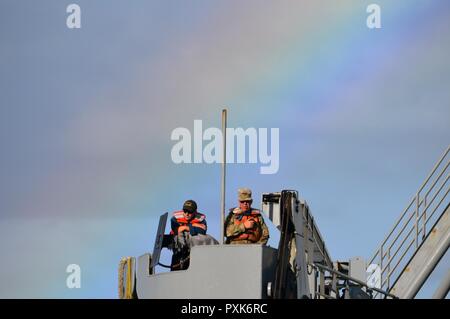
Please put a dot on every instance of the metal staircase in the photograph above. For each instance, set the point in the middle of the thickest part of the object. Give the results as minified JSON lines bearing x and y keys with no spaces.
{"x":419,"y":238}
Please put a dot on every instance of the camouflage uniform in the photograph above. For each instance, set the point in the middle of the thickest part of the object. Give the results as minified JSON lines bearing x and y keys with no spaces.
{"x":234,"y":228}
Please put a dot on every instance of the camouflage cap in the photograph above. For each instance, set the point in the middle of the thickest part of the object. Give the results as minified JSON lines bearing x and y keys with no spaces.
{"x":190,"y":206}
{"x":244,"y":194}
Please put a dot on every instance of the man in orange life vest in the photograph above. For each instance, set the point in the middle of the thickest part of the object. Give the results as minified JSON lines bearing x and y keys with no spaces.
{"x":185,"y":223}
{"x":188,"y":220}
{"x":244,"y":224}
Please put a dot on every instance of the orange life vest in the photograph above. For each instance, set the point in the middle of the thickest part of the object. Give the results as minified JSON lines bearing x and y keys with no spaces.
{"x":253,"y":234}
{"x":196,"y":221}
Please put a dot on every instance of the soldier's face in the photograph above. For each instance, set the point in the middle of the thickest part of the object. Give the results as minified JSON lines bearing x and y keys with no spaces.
{"x":188,"y":215}
{"x":245,"y":205}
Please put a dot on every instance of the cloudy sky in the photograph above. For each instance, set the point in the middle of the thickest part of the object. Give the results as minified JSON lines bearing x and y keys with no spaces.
{"x":86,"y":117}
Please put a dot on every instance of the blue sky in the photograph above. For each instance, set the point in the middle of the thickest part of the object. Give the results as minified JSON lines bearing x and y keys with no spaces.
{"x":86,"y":117}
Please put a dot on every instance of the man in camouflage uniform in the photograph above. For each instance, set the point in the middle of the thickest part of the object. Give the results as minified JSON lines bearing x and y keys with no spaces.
{"x":244,"y":224}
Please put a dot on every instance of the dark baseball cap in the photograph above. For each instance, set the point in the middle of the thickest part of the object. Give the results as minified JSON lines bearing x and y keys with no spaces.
{"x":190,"y":206}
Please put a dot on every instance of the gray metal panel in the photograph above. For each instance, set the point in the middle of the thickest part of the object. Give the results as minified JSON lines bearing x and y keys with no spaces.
{"x":357,"y":268}
{"x":216,"y":271}
{"x":159,"y":240}
{"x":303,"y":281}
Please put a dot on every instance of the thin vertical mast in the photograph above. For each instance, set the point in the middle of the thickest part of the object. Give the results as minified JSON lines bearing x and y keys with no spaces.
{"x":224,"y":161}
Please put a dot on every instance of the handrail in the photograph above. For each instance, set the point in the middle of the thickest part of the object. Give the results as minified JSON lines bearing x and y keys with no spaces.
{"x":416,"y":216}
{"x":414,"y":198}
{"x":357,"y":281}
{"x":434,"y":169}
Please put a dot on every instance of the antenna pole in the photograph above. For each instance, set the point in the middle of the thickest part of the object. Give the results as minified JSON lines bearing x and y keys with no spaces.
{"x":224,"y":161}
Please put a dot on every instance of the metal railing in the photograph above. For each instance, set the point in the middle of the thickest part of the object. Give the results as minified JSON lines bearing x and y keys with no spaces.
{"x":332,"y":284}
{"x":414,"y":224}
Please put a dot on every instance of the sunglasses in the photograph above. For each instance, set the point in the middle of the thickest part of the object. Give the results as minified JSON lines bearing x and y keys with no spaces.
{"x":188,"y":212}
{"x":245,"y":201}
